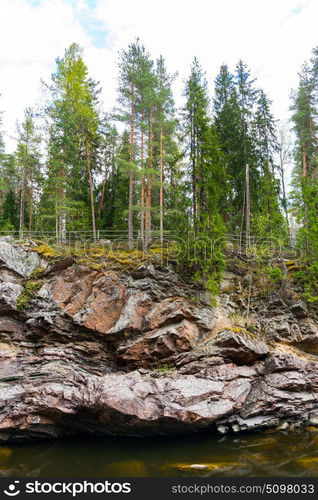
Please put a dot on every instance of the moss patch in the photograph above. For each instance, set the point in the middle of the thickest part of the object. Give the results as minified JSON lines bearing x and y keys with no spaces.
{"x":47,"y":252}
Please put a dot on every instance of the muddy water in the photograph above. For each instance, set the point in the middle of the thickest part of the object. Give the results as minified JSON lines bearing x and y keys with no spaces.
{"x":269,"y":454}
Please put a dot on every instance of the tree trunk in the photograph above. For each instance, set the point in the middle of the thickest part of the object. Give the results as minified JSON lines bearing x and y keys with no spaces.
{"x":31,"y":207}
{"x":22,"y":204}
{"x":149,"y":184}
{"x":194,"y":178}
{"x":131,"y":173}
{"x":62,"y":211}
{"x":101,"y":203}
{"x":247,"y":206}
{"x":23,"y":189}
{"x":161,"y":188}
{"x":142,"y":193}
{"x":91,"y":187}
{"x":305,"y":166}
{"x":306,"y":218}
{"x":63,"y":227}
{"x":282,"y":176}
{"x":56,"y":222}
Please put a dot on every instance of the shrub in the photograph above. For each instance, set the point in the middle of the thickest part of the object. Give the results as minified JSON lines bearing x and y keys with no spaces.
{"x":275,"y":273}
{"x":27,"y":294}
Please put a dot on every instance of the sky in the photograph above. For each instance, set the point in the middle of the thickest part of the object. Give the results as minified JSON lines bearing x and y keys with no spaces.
{"x":274,"y":37}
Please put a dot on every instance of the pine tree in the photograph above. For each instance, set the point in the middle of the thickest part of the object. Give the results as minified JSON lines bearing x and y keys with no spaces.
{"x":73,"y":143}
{"x":28,"y":159}
{"x":134,"y":70}
{"x":165,"y":127}
{"x":284,"y":152}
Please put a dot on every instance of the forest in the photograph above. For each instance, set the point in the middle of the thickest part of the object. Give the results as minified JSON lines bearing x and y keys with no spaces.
{"x":214,"y":168}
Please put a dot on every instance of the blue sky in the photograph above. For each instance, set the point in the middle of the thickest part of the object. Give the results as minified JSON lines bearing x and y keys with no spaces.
{"x":274,"y":37}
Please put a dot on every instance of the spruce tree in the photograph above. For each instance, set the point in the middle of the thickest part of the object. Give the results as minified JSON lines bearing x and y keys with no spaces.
{"x":2,"y":158}
{"x":305,"y":194}
{"x":228,"y":125}
{"x":206,"y":170}
{"x":267,"y":218}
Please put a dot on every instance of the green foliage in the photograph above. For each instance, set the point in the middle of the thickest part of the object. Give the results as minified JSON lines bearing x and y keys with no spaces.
{"x":163,"y":368}
{"x":9,"y":214}
{"x":212,"y":286}
{"x":186,"y":176}
{"x":308,"y":279}
{"x":28,"y":293}
{"x":305,"y":192}
{"x":275,"y":273}
{"x":72,"y":146}
{"x":246,"y":129}
{"x":210,"y":281}
{"x":207,"y":176}
{"x":37,"y":273}
{"x":9,"y":179}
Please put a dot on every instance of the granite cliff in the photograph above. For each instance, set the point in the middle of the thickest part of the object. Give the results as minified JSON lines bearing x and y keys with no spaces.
{"x":140,"y":352}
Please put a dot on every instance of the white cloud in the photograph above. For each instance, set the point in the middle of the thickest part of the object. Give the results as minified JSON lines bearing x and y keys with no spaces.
{"x":33,"y":36}
{"x":266,"y":34}
{"x":273,"y":37}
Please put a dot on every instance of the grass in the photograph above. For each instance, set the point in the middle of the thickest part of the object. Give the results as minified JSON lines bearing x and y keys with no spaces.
{"x":99,"y":257}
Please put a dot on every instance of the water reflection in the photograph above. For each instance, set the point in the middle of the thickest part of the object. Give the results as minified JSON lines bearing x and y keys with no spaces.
{"x":267,"y":455}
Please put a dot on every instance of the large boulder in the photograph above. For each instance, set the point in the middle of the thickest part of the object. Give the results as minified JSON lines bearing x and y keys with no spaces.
{"x":20,"y":260}
{"x":241,"y":346}
{"x":162,"y":343}
{"x":9,"y":293}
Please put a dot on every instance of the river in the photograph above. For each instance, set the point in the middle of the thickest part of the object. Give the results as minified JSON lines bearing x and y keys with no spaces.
{"x":268,"y":454}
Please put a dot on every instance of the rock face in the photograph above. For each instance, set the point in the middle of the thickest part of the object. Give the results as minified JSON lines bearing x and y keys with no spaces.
{"x":15,"y":259}
{"x":134,"y":354}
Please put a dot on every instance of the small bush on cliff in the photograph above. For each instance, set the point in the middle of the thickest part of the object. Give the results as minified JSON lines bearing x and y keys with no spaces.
{"x":164,"y":368}
{"x":47,"y":252}
{"x":27,"y":294}
{"x":210,"y":282}
{"x":212,"y":285}
{"x":308,"y":278}
{"x":37,"y":273}
{"x":275,"y":273}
